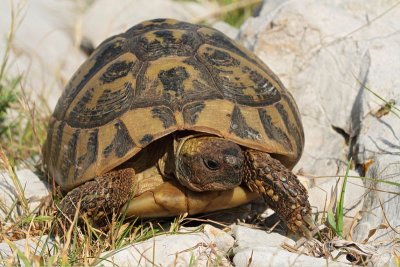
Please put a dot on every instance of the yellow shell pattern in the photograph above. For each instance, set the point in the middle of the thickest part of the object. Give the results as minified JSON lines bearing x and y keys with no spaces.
{"x":159,"y":77}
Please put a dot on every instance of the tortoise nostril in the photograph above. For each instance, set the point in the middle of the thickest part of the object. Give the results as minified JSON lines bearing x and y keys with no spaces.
{"x":234,"y":161}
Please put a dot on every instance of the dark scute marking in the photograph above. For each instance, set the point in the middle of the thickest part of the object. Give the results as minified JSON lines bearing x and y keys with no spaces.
{"x":284,"y":115}
{"x":205,"y":83}
{"x":289,"y":126}
{"x":158,"y":20}
{"x":141,"y":81}
{"x":166,"y":44}
{"x":221,"y":40}
{"x":55,"y":154}
{"x":207,"y":91}
{"x":121,"y":143}
{"x":156,"y":25}
{"x":221,"y":58}
{"x":274,"y":132}
{"x":191,"y":112}
{"x":105,"y":53}
{"x":165,"y":114}
{"x":115,"y":71}
{"x":295,"y":113}
{"x":49,"y":142}
{"x":90,"y":156}
{"x":109,"y":105}
{"x":69,"y":160}
{"x":173,"y":78}
{"x":232,"y":89}
{"x":240,"y":127}
{"x":108,"y":149}
{"x":166,"y":35}
{"x":185,"y":26}
{"x":263,"y":87}
{"x":146,"y":139}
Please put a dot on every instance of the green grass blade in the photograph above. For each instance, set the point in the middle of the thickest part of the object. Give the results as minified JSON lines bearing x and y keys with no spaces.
{"x":340,"y":207}
{"x":332,"y":220}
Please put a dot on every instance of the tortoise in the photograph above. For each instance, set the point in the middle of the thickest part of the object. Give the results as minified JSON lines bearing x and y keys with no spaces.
{"x":172,"y":117}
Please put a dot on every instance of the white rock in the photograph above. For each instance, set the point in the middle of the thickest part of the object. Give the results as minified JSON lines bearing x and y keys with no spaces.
{"x":32,"y":246}
{"x":320,"y":195}
{"x":268,"y":256}
{"x":247,"y":238}
{"x":378,"y":136}
{"x":258,"y":248}
{"x":289,"y":47}
{"x":35,"y":190}
{"x":381,"y":208}
{"x":199,"y":249}
{"x":307,"y":44}
{"x":43,"y":50}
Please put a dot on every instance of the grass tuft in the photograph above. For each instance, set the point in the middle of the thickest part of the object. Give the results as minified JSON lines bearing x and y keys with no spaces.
{"x":335,"y":213}
{"x":233,"y":12}
{"x":22,"y":131}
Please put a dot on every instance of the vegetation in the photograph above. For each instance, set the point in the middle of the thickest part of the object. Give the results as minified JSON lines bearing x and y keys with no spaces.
{"x":23,"y":123}
{"x":233,"y":12}
{"x":23,"y":131}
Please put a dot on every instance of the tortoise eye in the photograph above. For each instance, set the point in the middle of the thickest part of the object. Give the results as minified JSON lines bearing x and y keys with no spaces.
{"x":211,"y":164}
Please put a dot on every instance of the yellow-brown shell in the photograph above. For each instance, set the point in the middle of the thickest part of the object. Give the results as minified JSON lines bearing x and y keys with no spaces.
{"x":159,"y":77}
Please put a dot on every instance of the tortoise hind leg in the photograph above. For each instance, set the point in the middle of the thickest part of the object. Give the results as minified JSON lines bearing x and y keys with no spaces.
{"x":98,"y":198}
{"x":280,"y":188}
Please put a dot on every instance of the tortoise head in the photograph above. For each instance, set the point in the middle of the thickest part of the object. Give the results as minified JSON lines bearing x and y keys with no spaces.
{"x":208,"y":163}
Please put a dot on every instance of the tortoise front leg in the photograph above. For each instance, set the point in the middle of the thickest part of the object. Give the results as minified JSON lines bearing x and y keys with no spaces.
{"x":280,"y":188}
{"x":98,"y":198}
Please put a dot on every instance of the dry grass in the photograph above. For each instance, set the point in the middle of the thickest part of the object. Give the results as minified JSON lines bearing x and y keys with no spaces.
{"x":23,"y":130}
{"x":23,"y":124}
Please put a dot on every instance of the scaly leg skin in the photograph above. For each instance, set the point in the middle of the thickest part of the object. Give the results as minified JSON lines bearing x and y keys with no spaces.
{"x":97,"y":199}
{"x":281,"y":189}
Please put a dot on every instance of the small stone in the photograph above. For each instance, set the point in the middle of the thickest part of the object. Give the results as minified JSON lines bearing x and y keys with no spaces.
{"x":221,"y":239}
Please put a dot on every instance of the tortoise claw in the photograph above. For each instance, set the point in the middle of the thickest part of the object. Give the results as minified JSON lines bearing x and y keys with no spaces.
{"x":305,"y":231}
{"x":310,"y":229}
{"x":309,"y":220}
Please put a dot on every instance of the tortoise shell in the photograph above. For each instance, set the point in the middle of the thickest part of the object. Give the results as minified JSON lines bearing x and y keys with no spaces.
{"x":159,"y":77}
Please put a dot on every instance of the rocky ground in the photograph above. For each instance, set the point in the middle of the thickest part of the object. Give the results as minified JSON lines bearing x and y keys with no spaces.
{"x":340,"y":59}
